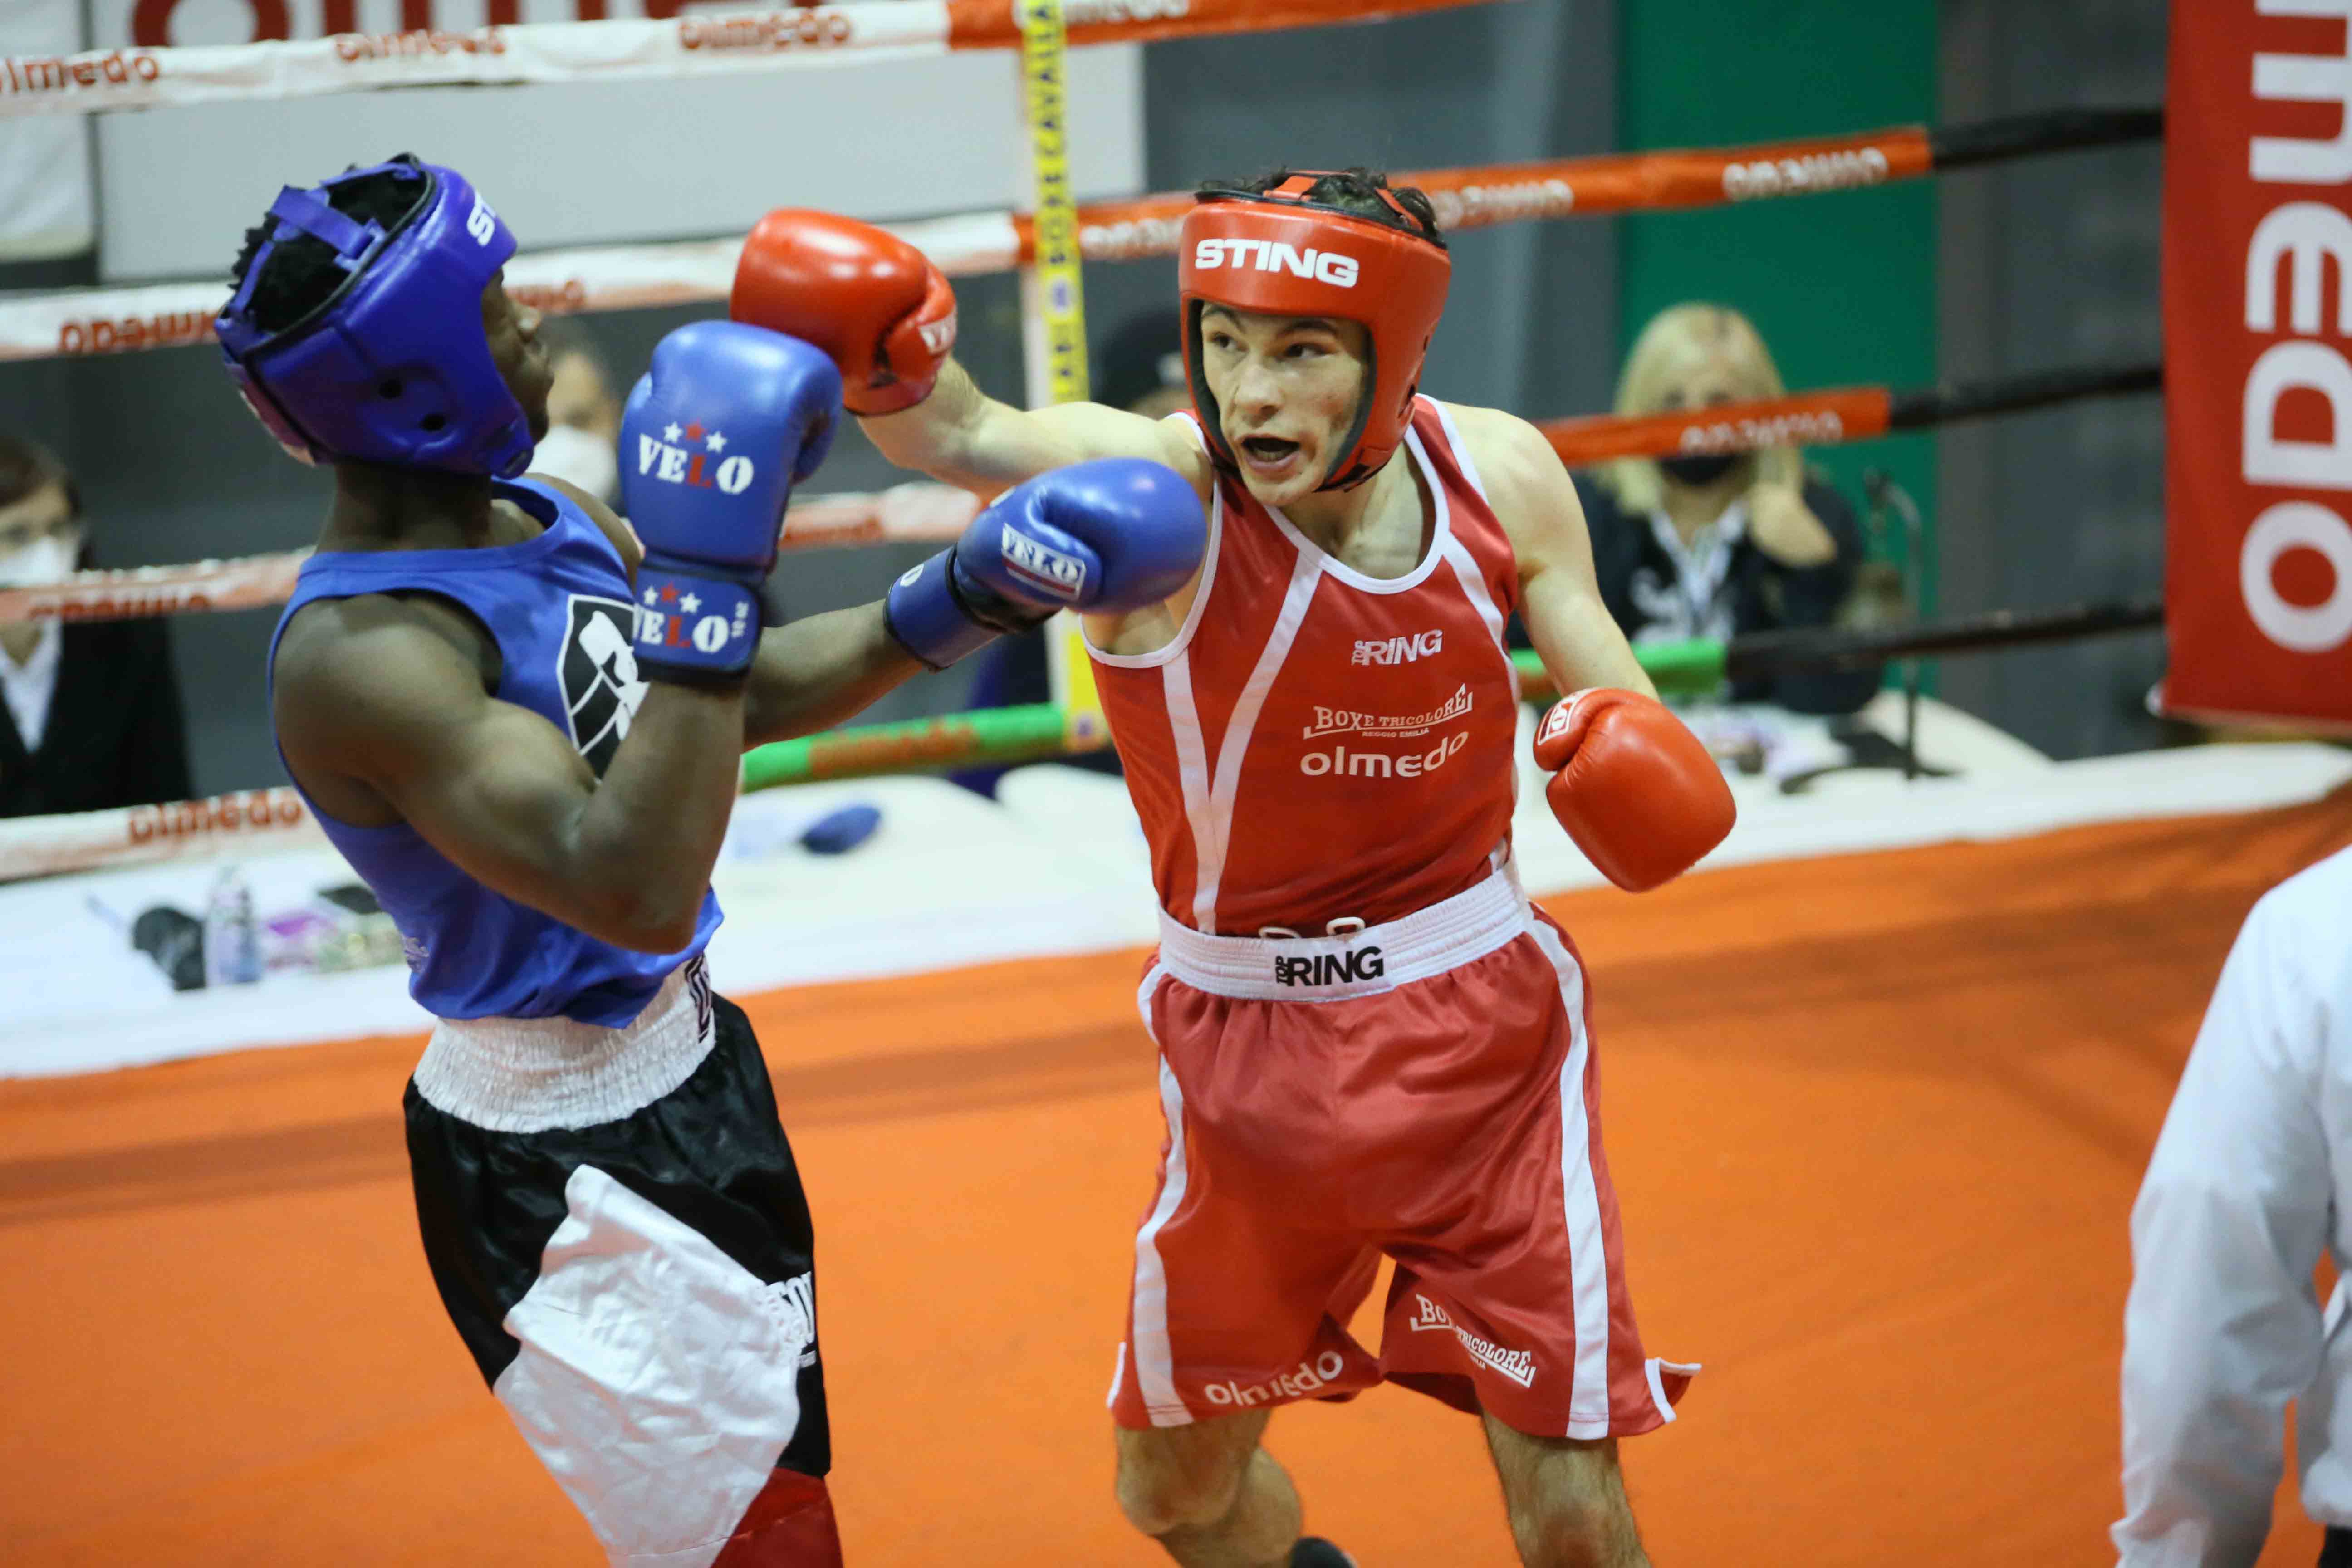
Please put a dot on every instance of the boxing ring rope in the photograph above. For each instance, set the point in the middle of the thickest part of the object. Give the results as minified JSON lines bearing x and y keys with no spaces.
{"x":916,"y":512}
{"x":1836,"y":415}
{"x":922,"y":512}
{"x":510,"y":54}
{"x":73,"y":323}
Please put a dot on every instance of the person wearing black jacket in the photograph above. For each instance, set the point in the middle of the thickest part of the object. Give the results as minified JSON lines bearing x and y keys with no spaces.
{"x":91,"y":712}
{"x":1718,"y":544}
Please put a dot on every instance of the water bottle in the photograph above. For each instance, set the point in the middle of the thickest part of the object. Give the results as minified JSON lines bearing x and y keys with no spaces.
{"x":232,"y":936}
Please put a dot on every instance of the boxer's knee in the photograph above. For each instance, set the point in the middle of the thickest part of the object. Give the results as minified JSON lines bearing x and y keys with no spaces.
{"x":1185,"y":1477}
{"x":1565,"y":1499}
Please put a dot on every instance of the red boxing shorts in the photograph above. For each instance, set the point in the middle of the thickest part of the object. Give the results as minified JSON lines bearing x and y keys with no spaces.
{"x":1424,"y":1089}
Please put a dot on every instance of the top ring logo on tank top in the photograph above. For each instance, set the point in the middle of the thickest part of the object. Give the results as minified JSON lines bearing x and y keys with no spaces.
{"x":598,"y":668}
{"x":1399,"y":650}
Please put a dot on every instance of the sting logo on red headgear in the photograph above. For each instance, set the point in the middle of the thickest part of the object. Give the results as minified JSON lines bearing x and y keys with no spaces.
{"x":1282,"y":252}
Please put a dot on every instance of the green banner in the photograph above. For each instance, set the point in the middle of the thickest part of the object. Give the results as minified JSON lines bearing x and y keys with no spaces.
{"x":984,"y":735}
{"x":1841,"y":286}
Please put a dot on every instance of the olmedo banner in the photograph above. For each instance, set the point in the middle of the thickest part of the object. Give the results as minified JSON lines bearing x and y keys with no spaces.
{"x":2257,"y":312}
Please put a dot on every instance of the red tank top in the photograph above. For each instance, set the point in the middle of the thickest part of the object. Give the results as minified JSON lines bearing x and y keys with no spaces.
{"x":1316,"y":744}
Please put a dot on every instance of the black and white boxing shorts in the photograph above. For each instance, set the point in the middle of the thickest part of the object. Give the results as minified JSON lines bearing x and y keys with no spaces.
{"x":619,"y":1234}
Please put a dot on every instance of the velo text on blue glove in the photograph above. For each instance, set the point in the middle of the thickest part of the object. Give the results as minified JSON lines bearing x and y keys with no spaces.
{"x":1105,"y":537}
{"x":712,"y":439}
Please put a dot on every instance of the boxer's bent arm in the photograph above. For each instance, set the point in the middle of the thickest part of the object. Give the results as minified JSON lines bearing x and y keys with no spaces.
{"x":1559,"y":597}
{"x":819,"y":671}
{"x":805,"y":677}
{"x":963,"y":437}
{"x":388,"y":700}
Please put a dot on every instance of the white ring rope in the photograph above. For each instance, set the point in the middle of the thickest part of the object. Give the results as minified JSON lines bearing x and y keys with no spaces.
{"x":140,"y":835}
{"x":783,"y":38}
{"x":916,"y":512}
{"x":70,"y":325}
{"x":614,"y":277}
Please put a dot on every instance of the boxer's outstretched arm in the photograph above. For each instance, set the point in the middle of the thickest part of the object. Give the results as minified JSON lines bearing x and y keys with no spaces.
{"x":387,"y":693}
{"x":960,"y":435}
{"x":886,"y":317}
{"x":820,"y":670}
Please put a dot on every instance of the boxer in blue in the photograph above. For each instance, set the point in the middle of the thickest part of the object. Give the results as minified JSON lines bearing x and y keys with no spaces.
{"x":520,"y":724}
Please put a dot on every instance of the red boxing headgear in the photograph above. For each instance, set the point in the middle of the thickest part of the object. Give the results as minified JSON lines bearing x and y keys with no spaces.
{"x":1282,"y":253}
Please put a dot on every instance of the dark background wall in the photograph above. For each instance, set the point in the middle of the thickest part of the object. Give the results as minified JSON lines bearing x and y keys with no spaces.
{"x":2044,"y":263}
{"x":2037,"y":264}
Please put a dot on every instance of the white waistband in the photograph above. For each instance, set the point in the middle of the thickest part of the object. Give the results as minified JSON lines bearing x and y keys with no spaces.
{"x":1361,"y":962}
{"x":530,"y":1075}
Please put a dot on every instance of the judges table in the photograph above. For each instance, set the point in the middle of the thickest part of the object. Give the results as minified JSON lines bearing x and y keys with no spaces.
{"x":1055,"y":865}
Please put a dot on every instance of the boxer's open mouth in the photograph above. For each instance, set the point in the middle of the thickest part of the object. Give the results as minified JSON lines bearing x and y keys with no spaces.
{"x":1270,"y":458}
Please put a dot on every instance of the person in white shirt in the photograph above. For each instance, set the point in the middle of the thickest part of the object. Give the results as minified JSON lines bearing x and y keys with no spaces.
{"x":2249,"y":1184}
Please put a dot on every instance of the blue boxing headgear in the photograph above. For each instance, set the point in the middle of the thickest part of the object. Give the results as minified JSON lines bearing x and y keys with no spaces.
{"x":394,"y":366}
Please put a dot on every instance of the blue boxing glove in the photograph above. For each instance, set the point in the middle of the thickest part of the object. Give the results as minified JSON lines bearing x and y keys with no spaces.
{"x":1104,"y":537}
{"x":711,"y":441}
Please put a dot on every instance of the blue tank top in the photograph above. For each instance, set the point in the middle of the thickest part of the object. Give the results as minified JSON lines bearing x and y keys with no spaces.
{"x":559,"y":606}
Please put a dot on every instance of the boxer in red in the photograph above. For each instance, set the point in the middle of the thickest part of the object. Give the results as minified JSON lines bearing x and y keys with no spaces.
{"x":1369,"y":1041}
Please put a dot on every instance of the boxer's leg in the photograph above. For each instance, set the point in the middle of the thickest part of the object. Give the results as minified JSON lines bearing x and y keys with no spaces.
{"x":789,"y":1525}
{"x":1242,"y":1288}
{"x":640,"y":1295}
{"x":1510,"y":1297}
{"x":1208,"y":1493}
{"x":1566,"y":1500}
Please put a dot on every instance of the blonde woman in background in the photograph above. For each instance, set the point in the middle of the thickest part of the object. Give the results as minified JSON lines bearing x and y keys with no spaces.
{"x":1716,"y":545}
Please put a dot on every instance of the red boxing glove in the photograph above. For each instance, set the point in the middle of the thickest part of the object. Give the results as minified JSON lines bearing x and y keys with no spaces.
{"x":1633,"y":786}
{"x":869,"y":299}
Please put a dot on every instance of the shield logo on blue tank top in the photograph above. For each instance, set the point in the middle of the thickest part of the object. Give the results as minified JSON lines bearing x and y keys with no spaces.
{"x":601,"y":685}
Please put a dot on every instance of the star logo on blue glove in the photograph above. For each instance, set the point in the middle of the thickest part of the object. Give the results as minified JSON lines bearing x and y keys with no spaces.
{"x":667,"y":457}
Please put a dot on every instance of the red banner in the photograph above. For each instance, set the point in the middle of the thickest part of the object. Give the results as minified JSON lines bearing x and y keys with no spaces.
{"x":2257,"y":312}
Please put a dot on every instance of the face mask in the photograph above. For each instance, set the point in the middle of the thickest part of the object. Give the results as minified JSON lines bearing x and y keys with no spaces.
{"x":39,"y":564}
{"x":1699,"y":468}
{"x":579,"y":458}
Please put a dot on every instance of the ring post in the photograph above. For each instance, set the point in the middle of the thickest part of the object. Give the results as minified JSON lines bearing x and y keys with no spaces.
{"x":1053,"y":298}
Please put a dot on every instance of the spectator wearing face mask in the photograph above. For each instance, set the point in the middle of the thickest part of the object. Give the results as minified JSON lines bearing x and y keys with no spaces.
{"x":584,"y":419}
{"x":1718,"y":545}
{"x":91,"y":717}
